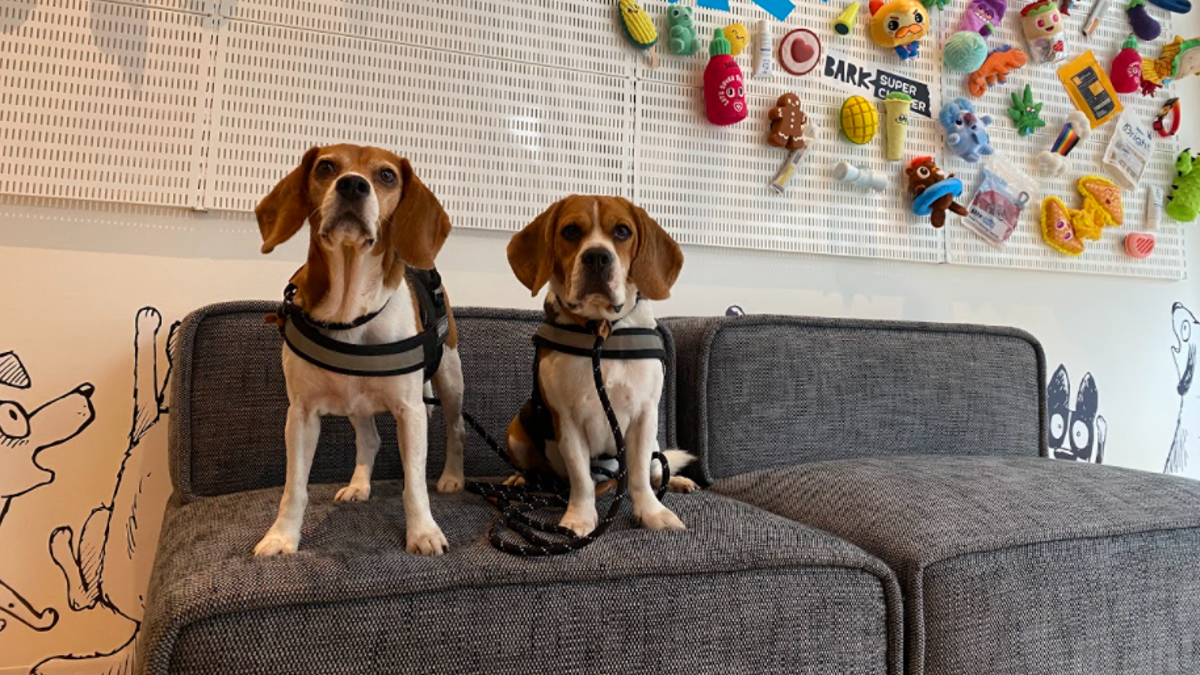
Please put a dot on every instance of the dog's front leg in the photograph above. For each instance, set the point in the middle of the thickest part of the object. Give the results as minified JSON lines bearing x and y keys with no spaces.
{"x":424,"y":535}
{"x":581,"y":515}
{"x":366,"y":441}
{"x":302,"y":431}
{"x":448,"y":381}
{"x":640,"y":444}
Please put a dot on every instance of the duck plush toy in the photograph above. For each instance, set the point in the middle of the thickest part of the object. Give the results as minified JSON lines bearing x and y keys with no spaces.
{"x":966,"y":132}
{"x":899,"y":24}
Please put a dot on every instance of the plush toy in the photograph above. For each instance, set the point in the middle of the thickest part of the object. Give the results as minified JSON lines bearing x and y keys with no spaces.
{"x":738,"y":37}
{"x":1025,"y":113}
{"x":1126,"y":69}
{"x":1064,"y":230}
{"x":896,"y":107}
{"x":1178,"y":59}
{"x":1043,"y":27}
{"x":966,"y":132}
{"x":1053,"y":162}
{"x":899,"y":24}
{"x":1057,"y":230}
{"x":1144,"y":26}
{"x":724,"y":91}
{"x":964,"y":51}
{"x":983,"y":16}
{"x":681,"y":31}
{"x":639,"y":29}
{"x":859,"y":120}
{"x":995,"y":68}
{"x":787,"y":123}
{"x":933,"y":192}
{"x":1184,"y":203}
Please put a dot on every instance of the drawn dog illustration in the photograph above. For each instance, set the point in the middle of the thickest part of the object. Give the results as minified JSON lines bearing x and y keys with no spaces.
{"x":109,"y":563}
{"x":24,"y":435}
{"x":1077,"y":434}
{"x":1187,"y":334}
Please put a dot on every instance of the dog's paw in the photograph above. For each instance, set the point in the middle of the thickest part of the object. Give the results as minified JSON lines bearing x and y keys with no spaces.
{"x":276,"y":543}
{"x":681,"y":484}
{"x":427,"y":540}
{"x":661,"y":518}
{"x":515,"y":480}
{"x":581,"y":524}
{"x":451,"y":483}
{"x":354,"y":492}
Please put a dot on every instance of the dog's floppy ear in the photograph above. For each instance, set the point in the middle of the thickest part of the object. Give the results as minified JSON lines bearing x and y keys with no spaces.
{"x":419,"y":224}
{"x":531,"y":251}
{"x":657,"y":261}
{"x":283,"y":212}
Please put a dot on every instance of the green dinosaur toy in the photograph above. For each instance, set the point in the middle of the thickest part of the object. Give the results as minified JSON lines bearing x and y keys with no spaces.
{"x":1024,"y":113}
{"x":1184,"y":203}
{"x":681,"y":31}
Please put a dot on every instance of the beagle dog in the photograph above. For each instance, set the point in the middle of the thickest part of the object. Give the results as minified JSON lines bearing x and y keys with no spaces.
{"x":369,"y":217}
{"x":603,"y":259}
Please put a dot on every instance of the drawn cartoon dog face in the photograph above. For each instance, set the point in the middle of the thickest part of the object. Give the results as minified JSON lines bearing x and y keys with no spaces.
{"x":1077,"y":434}
{"x":1187,"y":336}
{"x":24,"y":434}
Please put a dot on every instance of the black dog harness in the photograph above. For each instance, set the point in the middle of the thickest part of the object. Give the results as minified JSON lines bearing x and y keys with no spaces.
{"x":303,"y":335}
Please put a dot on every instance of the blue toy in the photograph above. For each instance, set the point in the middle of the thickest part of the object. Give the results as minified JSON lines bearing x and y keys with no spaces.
{"x":966,"y":132}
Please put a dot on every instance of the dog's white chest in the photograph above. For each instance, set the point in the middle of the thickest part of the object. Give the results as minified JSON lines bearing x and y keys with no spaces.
{"x":569,"y":388}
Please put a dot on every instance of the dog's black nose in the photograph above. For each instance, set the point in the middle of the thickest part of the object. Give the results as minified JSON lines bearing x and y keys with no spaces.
{"x":353,"y":187}
{"x":86,"y":389}
{"x":597,"y":258}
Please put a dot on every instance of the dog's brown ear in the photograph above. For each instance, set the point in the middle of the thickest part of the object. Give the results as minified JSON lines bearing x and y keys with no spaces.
{"x":419,"y":224}
{"x":657,"y":261}
{"x":283,"y":212}
{"x":531,"y":251}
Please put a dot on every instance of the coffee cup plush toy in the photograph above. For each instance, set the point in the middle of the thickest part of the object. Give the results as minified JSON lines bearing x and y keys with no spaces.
{"x":899,"y":24}
{"x":1043,"y":26}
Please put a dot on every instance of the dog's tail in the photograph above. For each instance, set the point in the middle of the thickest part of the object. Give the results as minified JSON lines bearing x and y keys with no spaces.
{"x":676,"y":460}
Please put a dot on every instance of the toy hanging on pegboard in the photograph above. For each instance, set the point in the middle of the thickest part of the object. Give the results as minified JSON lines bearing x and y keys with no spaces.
{"x":933,"y":192}
{"x":789,"y":130}
{"x":899,"y":24}
{"x":1178,"y":59}
{"x":639,"y":29}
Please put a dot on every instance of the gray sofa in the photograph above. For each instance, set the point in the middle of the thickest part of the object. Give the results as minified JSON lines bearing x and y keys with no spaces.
{"x":879,"y":501}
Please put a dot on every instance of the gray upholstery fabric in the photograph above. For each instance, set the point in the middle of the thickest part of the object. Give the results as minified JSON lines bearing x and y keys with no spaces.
{"x":766,"y":391}
{"x":1015,"y":565}
{"x":741,"y":590}
{"x":229,"y":402}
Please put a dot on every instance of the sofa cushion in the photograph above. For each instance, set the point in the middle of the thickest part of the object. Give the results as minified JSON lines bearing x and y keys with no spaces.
{"x":1015,"y":565}
{"x":741,"y":590}
{"x":764,"y":391}
{"x":229,"y":401}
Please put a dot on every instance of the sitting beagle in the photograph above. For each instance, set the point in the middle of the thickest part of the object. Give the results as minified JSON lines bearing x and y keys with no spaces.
{"x":604,"y":260}
{"x":353,"y":326}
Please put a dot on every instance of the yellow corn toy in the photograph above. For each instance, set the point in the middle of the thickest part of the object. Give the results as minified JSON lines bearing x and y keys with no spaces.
{"x":639,"y":28}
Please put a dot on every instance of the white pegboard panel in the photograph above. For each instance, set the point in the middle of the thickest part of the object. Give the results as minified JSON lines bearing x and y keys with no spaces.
{"x":101,"y":101}
{"x":497,"y":140}
{"x":1027,"y":250}
{"x":572,"y":34}
{"x":708,"y":185}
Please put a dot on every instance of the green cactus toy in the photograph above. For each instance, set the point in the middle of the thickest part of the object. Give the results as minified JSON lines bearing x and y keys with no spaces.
{"x":681,"y":32}
{"x":1184,"y":203}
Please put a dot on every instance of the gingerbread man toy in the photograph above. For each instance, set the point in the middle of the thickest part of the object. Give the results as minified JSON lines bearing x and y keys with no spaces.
{"x":787,"y":123}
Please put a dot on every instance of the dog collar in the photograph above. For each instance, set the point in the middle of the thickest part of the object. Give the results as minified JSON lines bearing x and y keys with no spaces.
{"x":422,"y":351}
{"x":621,"y":343}
{"x":1170,"y":109}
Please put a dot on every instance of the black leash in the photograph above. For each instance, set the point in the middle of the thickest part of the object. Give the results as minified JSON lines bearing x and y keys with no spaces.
{"x":517,"y":504}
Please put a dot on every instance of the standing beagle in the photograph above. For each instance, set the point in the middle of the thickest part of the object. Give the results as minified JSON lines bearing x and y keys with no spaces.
{"x":370,"y":218}
{"x":604,"y":260}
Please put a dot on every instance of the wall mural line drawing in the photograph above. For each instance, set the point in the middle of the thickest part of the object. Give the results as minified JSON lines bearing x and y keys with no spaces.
{"x":107,"y":566}
{"x":24,"y":435}
{"x":1187,"y":335}
{"x":1077,"y":434}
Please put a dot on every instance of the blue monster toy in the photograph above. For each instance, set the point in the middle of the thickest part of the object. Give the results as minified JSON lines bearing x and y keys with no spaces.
{"x":966,"y":132}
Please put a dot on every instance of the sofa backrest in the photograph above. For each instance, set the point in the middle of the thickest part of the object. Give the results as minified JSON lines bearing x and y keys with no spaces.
{"x":229,"y":402}
{"x":764,"y":391}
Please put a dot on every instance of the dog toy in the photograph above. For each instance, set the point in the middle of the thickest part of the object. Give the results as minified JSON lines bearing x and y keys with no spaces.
{"x":1090,"y":89}
{"x":1095,"y":17}
{"x":1144,"y":26}
{"x":896,"y":107}
{"x":639,"y":29}
{"x":1065,"y":7}
{"x":845,"y":21}
{"x":964,"y":51}
{"x":1170,"y":110}
{"x":995,"y":68}
{"x":1139,"y":244}
{"x":738,"y":37}
{"x":983,"y":16}
{"x":1057,"y":230}
{"x":1184,"y":203}
{"x":1064,"y":230}
{"x":1025,"y":113}
{"x":799,"y":51}
{"x":788,"y":123}
{"x":724,"y":91}
{"x":1043,"y":27}
{"x":932,"y":192}
{"x":860,"y":177}
{"x":899,"y":24}
{"x":1178,"y":59}
{"x":966,"y":132}
{"x":859,"y":120}
{"x":1126,"y":69}
{"x":762,"y":55}
{"x":1129,"y":151}
{"x":996,"y":207}
{"x":935,"y":4}
{"x":1053,"y":162}
{"x":681,"y":31}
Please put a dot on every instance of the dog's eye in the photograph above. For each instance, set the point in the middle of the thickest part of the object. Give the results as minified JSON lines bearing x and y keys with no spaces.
{"x":13,"y":422}
{"x":572,"y":233}
{"x":326,"y":168}
{"x":622,"y":232}
{"x":387,"y":176}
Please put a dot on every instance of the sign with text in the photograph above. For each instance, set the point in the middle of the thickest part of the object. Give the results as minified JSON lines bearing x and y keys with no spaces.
{"x":868,"y":79}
